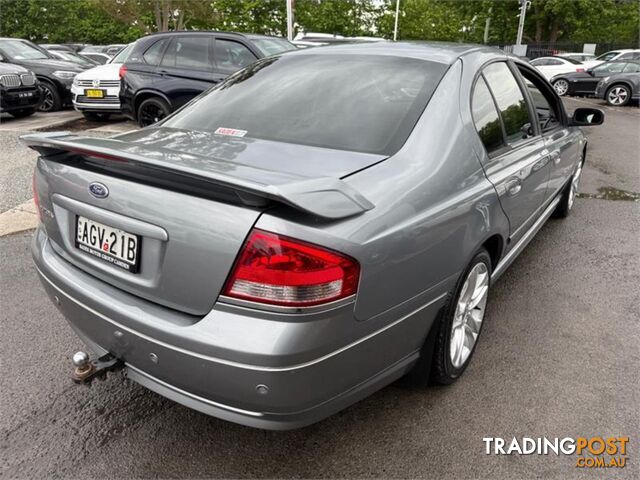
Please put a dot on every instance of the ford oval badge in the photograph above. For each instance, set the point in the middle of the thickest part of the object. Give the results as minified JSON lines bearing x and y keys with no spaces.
{"x":98,"y":190}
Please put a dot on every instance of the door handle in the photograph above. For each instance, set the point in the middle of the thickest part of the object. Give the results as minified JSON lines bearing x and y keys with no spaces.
{"x":513,"y":186}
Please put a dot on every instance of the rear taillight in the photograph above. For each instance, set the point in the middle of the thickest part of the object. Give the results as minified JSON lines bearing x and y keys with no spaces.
{"x":579,"y":70}
{"x":36,"y":199}
{"x":122,"y":72}
{"x":282,"y":271}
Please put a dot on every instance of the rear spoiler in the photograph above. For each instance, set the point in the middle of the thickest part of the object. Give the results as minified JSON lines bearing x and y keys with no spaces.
{"x":324,"y":197}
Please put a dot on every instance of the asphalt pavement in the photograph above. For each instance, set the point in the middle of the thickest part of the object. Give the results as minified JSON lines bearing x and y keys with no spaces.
{"x":558,"y":356}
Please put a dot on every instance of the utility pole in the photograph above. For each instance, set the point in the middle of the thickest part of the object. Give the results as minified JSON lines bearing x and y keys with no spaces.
{"x":289,"y":20}
{"x":486,"y":26}
{"x":395,"y":28}
{"x":523,"y":11}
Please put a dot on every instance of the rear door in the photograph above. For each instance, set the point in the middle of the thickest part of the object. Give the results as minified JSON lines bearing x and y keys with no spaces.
{"x":517,"y":159}
{"x":187,"y":68}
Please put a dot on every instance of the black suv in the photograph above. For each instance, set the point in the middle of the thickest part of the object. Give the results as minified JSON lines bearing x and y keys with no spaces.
{"x":55,"y":76}
{"x":166,"y":70}
{"x":19,"y":91}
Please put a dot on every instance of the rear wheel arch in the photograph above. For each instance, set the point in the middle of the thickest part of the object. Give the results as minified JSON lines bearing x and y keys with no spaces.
{"x":494,"y":245}
{"x":144,"y":95}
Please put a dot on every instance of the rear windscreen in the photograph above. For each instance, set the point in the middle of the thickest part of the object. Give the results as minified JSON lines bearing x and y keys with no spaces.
{"x":364,"y":103}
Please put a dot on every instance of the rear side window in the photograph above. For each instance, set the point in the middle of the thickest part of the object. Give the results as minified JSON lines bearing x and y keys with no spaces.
{"x":510,"y":100}
{"x":154,"y":52}
{"x":632,"y":68}
{"x":485,"y":117}
{"x":191,"y":53}
{"x":363,"y":103}
{"x":231,"y":56}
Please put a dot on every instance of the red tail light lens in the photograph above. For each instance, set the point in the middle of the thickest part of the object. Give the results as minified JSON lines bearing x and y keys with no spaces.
{"x":282,"y":271}
{"x":579,"y":70}
{"x":122,"y":72}
{"x":36,"y":198}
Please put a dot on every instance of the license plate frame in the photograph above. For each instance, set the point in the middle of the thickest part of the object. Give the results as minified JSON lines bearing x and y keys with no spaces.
{"x":106,"y":253}
{"x":94,"y":93}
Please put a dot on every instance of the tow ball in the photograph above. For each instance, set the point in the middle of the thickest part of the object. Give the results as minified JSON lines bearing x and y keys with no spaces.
{"x":86,"y":370}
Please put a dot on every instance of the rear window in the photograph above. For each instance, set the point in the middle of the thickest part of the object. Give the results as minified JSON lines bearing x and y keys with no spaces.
{"x":365,"y":103}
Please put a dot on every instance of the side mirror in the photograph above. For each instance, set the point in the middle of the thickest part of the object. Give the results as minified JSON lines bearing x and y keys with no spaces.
{"x":586,"y":117}
{"x":1,"y":58}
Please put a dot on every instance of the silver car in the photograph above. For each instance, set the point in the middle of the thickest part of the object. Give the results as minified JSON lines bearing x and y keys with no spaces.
{"x":317,"y":226}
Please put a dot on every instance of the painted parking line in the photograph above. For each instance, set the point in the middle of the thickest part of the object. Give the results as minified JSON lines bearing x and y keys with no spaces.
{"x":19,"y":219}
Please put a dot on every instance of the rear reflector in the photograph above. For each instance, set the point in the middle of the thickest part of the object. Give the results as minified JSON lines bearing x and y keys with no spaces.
{"x":282,"y":271}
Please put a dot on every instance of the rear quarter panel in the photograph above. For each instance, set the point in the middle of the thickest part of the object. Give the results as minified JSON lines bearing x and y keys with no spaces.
{"x":433,"y":209}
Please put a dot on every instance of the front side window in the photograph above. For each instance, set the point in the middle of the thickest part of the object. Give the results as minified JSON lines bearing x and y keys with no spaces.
{"x":605,"y":57}
{"x":231,"y":56}
{"x":486,"y":118}
{"x":510,"y":99}
{"x":362,"y":103}
{"x":613,"y":67}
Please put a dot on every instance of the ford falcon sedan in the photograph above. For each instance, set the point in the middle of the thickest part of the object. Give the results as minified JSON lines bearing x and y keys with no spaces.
{"x":318,"y":225}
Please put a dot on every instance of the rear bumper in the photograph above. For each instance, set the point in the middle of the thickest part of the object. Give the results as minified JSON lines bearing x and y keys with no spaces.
{"x":220,"y":364}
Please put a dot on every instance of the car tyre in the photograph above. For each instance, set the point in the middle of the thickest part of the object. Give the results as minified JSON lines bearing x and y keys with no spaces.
{"x":561,"y":86}
{"x":152,"y":110}
{"x":451,"y":353}
{"x":23,"y":112}
{"x":96,"y":116}
{"x":51,"y":101}
{"x":618,"y":95}
{"x":569,"y":194}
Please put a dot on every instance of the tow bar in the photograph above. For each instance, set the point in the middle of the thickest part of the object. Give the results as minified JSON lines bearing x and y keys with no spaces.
{"x":87,"y":370}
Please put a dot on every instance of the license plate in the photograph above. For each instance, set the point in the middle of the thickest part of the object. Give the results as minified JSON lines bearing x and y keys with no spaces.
{"x":112,"y":245}
{"x":94,"y":93}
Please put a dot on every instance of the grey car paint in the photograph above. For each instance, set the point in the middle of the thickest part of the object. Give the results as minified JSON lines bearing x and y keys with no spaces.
{"x":630,"y":80}
{"x":413,"y":221}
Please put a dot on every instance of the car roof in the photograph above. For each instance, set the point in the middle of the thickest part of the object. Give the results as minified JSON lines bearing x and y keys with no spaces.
{"x":440,"y":52}
{"x":209,"y":32}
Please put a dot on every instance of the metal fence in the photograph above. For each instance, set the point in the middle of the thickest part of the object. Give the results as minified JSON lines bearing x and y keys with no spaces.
{"x":543,"y":49}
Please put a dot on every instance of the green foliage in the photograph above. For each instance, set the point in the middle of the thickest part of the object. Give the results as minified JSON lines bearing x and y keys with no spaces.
{"x":110,"y":21}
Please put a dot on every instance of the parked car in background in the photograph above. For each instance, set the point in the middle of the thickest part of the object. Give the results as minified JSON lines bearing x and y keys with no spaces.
{"x":614,"y":56}
{"x":20,"y":93}
{"x":56,"y":46}
{"x":584,"y":83}
{"x":96,"y":92}
{"x":166,"y":70}
{"x":238,"y":256}
{"x":71,"y":56}
{"x":55,"y":76}
{"x":96,"y":57}
{"x":320,"y":39}
{"x":552,"y":66}
{"x":579,"y":57}
{"x":619,"y":89}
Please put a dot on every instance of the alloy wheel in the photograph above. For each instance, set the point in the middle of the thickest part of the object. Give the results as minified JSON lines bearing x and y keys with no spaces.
{"x":561,"y":87}
{"x":469,"y":314}
{"x":617,"y":95}
{"x":47,"y":101}
{"x":151,"y":114}
{"x":573,"y":189}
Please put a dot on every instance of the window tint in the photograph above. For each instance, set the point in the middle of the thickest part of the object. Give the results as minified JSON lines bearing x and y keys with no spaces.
{"x":191,"y":53}
{"x":510,"y":100}
{"x":613,"y":67}
{"x":553,"y":61}
{"x":632,"y":68}
{"x":485,"y":117}
{"x":540,"y":62}
{"x":153,"y":53}
{"x":363,"y":103}
{"x":231,"y":56}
